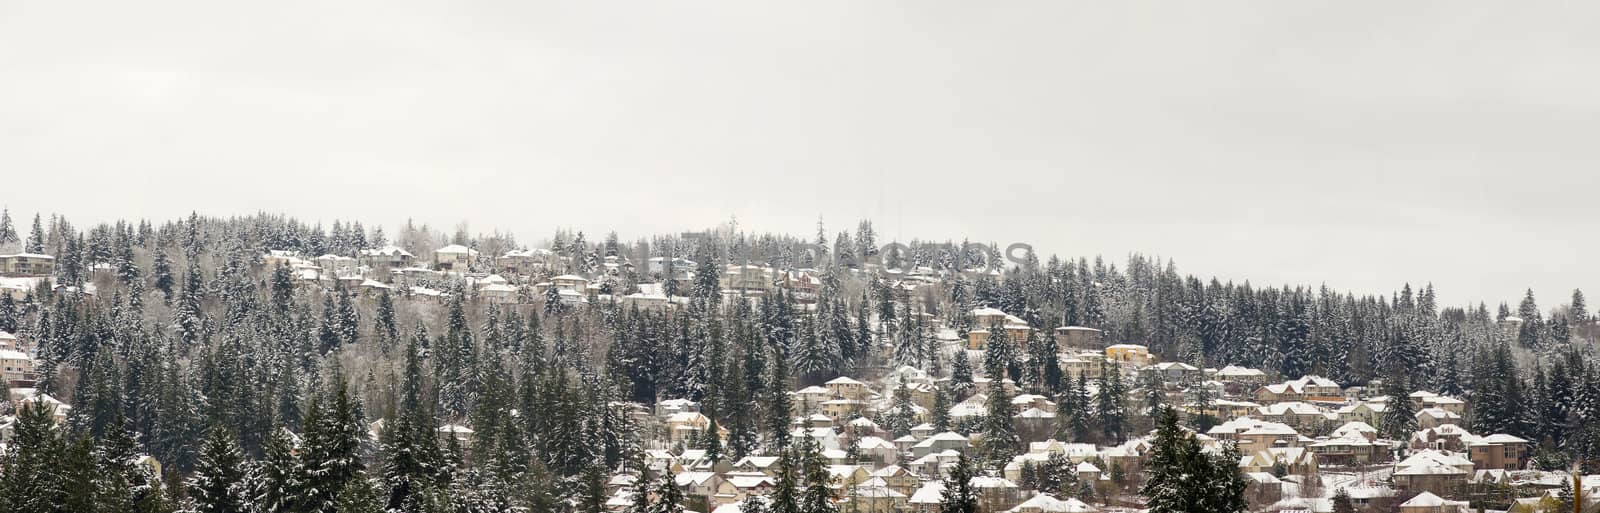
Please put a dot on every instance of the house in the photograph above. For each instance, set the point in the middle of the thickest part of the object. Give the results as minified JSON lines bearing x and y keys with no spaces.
{"x":1432,"y":471}
{"x":683,"y":426}
{"x":27,"y":264}
{"x":844,"y":387}
{"x":989,"y":319}
{"x":16,"y":367}
{"x":1307,"y":388}
{"x":460,"y":433}
{"x":1348,"y":450}
{"x":1242,"y":375}
{"x":1133,"y":355}
{"x":386,"y":258}
{"x":996,"y":493}
{"x":1043,"y":503}
{"x":1498,"y":451}
{"x":747,"y":279}
{"x":523,"y":261}
{"x":874,"y":497}
{"x":1370,"y":413}
{"x":897,"y":478}
{"x":1429,"y":503}
{"x":1252,"y":434}
{"x":946,"y":441}
{"x":1295,"y":460}
{"x":1083,"y":365}
{"x":499,"y":293}
{"x":701,"y":484}
{"x":1435,"y":417}
{"x":336,"y":265}
{"x":1174,"y":372}
{"x":1078,"y":337}
{"x":802,"y":285}
{"x":927,"y":498}
{"x":571,"y":282}
{"x":454,"y":257}
{"x":1299,"y":415}
{"x":1262,"y":488}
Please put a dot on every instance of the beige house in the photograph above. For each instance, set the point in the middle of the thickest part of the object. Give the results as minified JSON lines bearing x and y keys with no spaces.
{"x":1078,"y":337}
{"x":27,"y":264}
{"x":454,"y":257}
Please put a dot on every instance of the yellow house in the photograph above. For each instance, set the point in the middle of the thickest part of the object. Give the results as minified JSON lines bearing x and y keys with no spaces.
{"x":987,"y":319}
{"x":1126,"y":354}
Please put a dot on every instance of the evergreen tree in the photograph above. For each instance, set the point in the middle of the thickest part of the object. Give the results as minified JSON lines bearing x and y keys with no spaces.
{"x":217,"y":485}
{"x":8,"y":233}
{"x":1341,"y":502}
{"x":1181,"y":478}
{"x":959,"y":496}
{"x":31,"y":481}
{"x":1000,"y":440}
{"x":668,"y":497}
{"x":36,"y":237}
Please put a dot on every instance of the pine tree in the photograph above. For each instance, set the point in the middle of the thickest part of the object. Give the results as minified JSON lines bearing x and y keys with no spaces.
{"x":1341,"y":502}
{"x":275,"y":483}
{"x":961,"y":374}
{"x":668,"y":497}
{"x":817,"y":496}
{"x":30,"y":482}
{"x":958,"y":495}
{"x":1181,"y":478}
{"x":1000,"y":440}
{"x":941,"y":410}
{"x":36,"y":237}
{"x":217,"y":484}
{"x":8,"y":233}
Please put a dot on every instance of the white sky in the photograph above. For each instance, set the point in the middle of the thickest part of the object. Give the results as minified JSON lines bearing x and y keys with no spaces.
{"x":1362,"y":144}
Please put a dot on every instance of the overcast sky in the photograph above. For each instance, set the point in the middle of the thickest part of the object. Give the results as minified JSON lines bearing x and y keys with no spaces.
{"x":1360,"y":144}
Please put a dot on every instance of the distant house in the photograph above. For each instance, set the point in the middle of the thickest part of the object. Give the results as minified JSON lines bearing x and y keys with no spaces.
{"x":1498,"y":451}
{"x":987,"y":319}
{"x":16,"y":367}
{"x":803,"y":285}
{"x":386,"y":258}
{"x":1429,"y":503}
{"x":1307,"y":388}
{"x":454,"y":257}
{"x":747,"y":279}
{"x":27,"y":264}
{"x":523,"y":261}
{"x":1435,"y":417}
{"x":1133,"y":355}
{"x":1242,"y":375}
{"x":1433,"y":471}
{"x":1174,"y":372}
{"x":1078,"y":337}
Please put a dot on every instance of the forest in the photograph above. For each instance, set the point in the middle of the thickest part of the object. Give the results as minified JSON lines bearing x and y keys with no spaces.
{"x":258,"y":393}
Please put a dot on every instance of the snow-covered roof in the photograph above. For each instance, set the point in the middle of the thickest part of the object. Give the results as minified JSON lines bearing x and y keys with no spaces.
{"x":455,"y":249}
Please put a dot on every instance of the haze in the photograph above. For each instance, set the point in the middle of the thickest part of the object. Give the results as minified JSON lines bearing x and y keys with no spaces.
{"x":1358,"y":144}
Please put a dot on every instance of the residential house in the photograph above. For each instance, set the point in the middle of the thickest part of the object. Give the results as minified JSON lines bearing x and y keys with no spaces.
{"x":1498,"y":451}
{"x":386,"y":258}
{"x":27,"y":264}
{"x":1307,"y":388}
{"x":1131,"y":355}
{"x":1078,"y":337}
{"x":1434,"y":417}
{"x":1043,"y":503}
{"x":1433,"y":471}
{"x":1429,"y":503}
{"x":454,"y":257}
{"x":986,"y":319}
